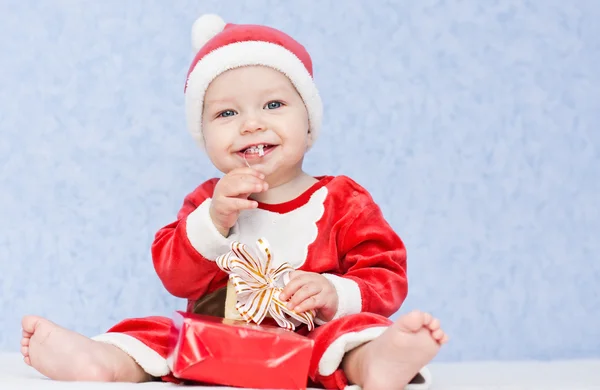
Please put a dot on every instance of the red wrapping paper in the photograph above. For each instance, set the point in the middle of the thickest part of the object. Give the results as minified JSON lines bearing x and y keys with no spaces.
{"x":225,"y":352}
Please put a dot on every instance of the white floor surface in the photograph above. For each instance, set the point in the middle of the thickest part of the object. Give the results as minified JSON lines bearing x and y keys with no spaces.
{"x":563,"y":375}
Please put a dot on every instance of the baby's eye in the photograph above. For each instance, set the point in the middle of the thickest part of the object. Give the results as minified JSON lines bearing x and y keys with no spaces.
{"x":226,"y":113}
{"x":273,"y":105}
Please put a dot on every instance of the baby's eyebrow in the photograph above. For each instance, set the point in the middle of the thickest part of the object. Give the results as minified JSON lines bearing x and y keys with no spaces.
{"x":212,"y":102}
{"x":278,"y":89}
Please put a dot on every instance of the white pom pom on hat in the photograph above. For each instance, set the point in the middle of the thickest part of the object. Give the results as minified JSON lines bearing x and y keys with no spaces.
{"x":234,"y":45}
{"x":205,"y":28}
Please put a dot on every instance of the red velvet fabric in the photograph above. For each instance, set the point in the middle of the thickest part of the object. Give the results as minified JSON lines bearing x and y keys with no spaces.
{"x":354,"y":241}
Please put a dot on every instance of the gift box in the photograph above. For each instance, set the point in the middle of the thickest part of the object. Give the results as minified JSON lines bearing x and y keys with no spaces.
{"x":226,"y":352}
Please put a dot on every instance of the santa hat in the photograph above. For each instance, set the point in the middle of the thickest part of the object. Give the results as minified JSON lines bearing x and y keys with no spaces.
{"x":221,"y":47}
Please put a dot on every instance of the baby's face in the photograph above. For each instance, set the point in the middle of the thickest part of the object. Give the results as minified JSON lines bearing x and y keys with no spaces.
{"x":251,"y":106}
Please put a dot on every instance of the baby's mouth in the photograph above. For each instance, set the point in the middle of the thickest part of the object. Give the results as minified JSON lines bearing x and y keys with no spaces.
{"x":256,"y":150}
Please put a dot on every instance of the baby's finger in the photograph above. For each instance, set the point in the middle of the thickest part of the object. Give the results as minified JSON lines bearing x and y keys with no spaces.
{"x":247,"y":171}
{"x":232,"y":205}
{"x":241,"y":185}
{"x":297,"y":273}
{"x":245,"y":177}
{"x":302,"y":294}
{"x":311,"y":303}
{"x":296,"y":282}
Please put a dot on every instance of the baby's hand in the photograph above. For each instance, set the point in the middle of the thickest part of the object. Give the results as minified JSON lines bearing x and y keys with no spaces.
{"x":311,"y":291}
{"x":231,"y":196}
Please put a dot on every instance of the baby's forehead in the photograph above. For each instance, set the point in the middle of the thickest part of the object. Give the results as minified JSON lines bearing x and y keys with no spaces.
{"x":248,"y":82}
{"x":252,"y":73}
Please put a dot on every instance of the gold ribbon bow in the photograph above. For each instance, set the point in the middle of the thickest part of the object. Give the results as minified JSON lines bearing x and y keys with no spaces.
{"x":258,"y":285}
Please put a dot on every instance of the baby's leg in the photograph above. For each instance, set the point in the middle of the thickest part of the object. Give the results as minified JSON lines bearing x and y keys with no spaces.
{"x":396,"y":356}
{"x":61,"y":354}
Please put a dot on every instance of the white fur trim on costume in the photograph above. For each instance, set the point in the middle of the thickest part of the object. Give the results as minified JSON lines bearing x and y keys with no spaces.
{"x":426,"y":374}
{"x":332,"y":358}
{"x":147,"y":358}
{"x":246,"y":53}
{"x":203,"y":234}
{"x":349,"y":297}
{"x":204,"y":29}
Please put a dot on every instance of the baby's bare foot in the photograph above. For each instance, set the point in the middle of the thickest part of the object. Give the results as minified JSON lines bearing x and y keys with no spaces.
{"x":64,"y":355}
{"x":433,"y":324}
{"x":393,"y":359}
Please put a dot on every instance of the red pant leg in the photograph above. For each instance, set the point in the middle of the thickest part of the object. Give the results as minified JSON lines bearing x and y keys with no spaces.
{"x":334,"y":339}
{"x":146,"y":340}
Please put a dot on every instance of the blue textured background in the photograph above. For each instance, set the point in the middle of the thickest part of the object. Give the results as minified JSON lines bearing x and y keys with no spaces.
{"x":476,"y":127}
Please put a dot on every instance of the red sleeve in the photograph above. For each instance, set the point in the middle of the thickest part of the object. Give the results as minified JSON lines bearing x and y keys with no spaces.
{"x":183,"y":269}
{"x":374,"y":257}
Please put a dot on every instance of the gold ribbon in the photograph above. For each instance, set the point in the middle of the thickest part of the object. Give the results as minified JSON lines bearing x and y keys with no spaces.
{"x":258,"y":285}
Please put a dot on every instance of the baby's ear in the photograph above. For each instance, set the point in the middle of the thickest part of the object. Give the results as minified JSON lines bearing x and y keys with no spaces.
{"x":309,"y":140}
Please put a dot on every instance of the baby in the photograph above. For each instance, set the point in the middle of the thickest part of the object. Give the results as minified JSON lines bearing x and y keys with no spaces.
{"x":253,"y":106}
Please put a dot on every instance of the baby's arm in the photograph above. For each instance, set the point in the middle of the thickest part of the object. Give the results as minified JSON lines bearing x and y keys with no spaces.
{"x":184,"y":251}
{"x":373,"y":262}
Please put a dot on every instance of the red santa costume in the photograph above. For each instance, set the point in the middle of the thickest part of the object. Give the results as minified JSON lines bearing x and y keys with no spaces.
{"x":334,"y":228}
